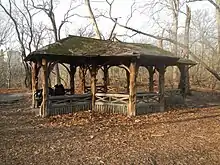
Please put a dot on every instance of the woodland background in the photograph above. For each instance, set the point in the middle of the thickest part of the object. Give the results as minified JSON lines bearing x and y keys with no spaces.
{"x":26,"y":25}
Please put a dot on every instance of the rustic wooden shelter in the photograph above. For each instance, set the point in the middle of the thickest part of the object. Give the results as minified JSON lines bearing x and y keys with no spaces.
{"x":95,"y":54}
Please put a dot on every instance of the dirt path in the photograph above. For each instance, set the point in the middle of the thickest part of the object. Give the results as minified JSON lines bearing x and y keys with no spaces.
{"x":187,"y":136}
{"x":13,"y":97}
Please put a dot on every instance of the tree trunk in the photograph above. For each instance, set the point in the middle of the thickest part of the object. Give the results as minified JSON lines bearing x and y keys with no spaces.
{"x":151,"y":78}
{"x":218,"y":25}
{"x":72,"y":79}
{"x":128,"y":80}
{"x":93,"y":73}
{"x":34,"y":82}
{"x":186,"y":49}
{"x":44,"y":104}
{"x":9,"y":71}
{"x":174,"y":35}
{"x":182,"y":83}
{"x":27,"y":80}
{"x":82,"y":80}
{"x":132,"y":88}
{"x":57,"y":71}
{"x":105,"y":78}
{"x":161,"y":71}
{"x":93,"y":20}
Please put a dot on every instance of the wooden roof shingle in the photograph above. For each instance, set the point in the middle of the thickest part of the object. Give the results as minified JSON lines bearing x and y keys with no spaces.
{"x":76,"y":46}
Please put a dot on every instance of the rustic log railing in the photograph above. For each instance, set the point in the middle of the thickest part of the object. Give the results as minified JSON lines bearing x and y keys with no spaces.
{"x":172,"y":92}
{"x":148,"y":98}
{"x":147,"y":102}
{"x":112,"y":89}
{"x":105,"y":102}
{"x":58,"y":105}
{"x":112,"y":103}
{"x":174,"y":97}
{"x":99,"y":88}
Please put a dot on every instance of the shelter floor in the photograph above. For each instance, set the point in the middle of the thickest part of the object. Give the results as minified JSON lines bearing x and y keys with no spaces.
{"x":180,"y":136}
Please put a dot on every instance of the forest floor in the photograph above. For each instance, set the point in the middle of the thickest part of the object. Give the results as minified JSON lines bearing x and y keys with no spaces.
{"x":187,"y":135}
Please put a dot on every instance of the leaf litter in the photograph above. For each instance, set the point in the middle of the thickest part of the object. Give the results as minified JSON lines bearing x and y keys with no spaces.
{"x":180,"y":136}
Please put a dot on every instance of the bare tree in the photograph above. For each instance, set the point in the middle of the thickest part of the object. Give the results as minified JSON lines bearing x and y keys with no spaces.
{"x":49,"y":9}
{"x":5,"y":30}
{"x":9,"y":56}
{"x":40,"y":34}
{"x":29,"y":34}
{"x":184,"y":80}
{"x":162,"y":38}
{"x":20,"y":32}
{"x":216,"y":4}
{"x":175,"y":10}
{"x":85,"y":31}
{"x":203,"y":43}
{"x":2,"y":69}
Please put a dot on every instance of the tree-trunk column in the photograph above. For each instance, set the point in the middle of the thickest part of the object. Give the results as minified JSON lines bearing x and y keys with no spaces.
{"x":34,"y":83}
{"x":161,"y":71}
{"x":93,"y":85}
{"x":182,"y":82}
{"x":105,"y":78}
{"x":132,"y":89}
{"x":72,"y":78}
{"x":82,"y":75}
{"x":187,"y":83}
{"x":151,"y":78}
{"x":58,"y":80}
{"x":128,"y":80}
{"x":44,"y":104}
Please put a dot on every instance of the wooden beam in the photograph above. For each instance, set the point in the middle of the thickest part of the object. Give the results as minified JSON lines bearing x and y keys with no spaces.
{"x":34,"y":79}
{"x":44,"y":106}
{"x":68,"y":70}
{"x":151,"y":78}
{"x":72,"y":78}
{"x":124,"y":67}
{"x":161,"y":71}
{"x":132,"y":88}
{"x":105,"y":78}
{"x":93,"y":72}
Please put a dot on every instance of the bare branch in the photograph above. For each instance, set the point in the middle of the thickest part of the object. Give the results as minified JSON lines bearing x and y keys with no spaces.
{"x":113,"y":29}
{"x":131,"y":13}
{"x":67,"y":16}
{"x":93,"y":19}
{"x":9,"y":13}
{"x":49,"y":11}
{"x":211,"y":1}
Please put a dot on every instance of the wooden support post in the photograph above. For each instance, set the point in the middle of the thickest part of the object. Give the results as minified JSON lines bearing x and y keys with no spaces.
{"x":182,"y":83}
{"x":161,"y":71}
{"x":34,"y":82}
{"x":93,"y":72}
{"x":44,"y":104}
{"x":72,"y":80}
{"x":132,"y":88}
{"x":82,"y":75}
{"x":151,"y":78}
{"x":128,"y":80}
{"x":105,"y":78}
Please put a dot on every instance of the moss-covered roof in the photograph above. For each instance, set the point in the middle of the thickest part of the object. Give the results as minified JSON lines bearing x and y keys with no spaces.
{"x":83,"y":46}
{"x":76,"y":46}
